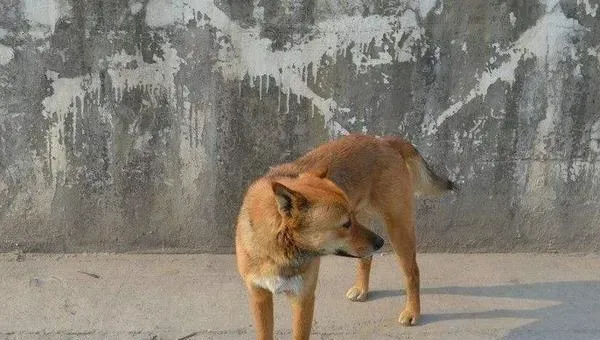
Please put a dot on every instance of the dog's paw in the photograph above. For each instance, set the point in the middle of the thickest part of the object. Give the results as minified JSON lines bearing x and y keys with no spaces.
{"x":408,"y":318}
{"x":356,"y":294}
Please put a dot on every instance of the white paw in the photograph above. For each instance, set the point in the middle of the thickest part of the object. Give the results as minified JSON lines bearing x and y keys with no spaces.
{"x":408,"y":318}
{"x":356,"y":294}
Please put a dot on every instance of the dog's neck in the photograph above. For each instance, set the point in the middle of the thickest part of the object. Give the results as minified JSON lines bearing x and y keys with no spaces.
{"x":288,"y":257}
{"x":297,"y":262}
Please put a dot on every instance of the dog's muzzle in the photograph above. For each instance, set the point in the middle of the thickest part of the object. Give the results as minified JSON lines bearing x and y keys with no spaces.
{"x":340,"y":252}
{"x":378,"y":242}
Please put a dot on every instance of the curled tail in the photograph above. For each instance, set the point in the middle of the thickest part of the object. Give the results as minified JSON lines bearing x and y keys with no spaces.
{"x":427,"y":183}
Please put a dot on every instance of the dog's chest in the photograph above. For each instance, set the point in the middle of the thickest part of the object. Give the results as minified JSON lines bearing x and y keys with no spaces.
{"x":280,"y":284}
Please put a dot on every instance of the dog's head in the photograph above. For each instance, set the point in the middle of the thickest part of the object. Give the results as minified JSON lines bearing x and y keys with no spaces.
{"x":316,"y":216}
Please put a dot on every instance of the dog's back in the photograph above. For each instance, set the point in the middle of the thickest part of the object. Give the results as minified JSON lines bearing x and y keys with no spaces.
{"x":358,"y":164}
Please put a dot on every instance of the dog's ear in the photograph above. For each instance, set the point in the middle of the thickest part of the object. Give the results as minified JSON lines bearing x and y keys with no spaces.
{"x":287,"y":199}
{"x":322,"y":173}
{"x":319,"y":172}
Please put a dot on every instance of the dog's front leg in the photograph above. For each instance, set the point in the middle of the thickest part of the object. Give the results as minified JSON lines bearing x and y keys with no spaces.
{"x":261,"y":303}
{"x":361,"y":287}
{"x":302,"y":314}
{"x":303,"y":304}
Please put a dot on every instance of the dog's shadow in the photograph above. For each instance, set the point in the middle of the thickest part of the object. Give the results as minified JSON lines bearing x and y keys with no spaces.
{"x":384,"y":293}
{"x":574,"y":312}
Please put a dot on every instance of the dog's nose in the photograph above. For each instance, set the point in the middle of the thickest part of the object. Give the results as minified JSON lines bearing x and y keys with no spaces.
{"x":378,"y":243}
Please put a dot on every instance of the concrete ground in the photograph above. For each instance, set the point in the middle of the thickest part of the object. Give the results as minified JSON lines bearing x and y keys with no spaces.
{"x":152,"y":297}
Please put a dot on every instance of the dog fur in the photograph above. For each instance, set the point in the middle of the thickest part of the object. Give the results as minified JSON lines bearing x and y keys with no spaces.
{"x":318,"y":205}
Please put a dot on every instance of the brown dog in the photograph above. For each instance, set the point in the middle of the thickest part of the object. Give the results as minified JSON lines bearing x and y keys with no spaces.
{"x":311,"y":207}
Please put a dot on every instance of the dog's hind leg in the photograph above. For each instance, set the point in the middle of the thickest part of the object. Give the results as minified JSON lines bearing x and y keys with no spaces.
{"x":400,"y":227}
{"x":393,"y":195}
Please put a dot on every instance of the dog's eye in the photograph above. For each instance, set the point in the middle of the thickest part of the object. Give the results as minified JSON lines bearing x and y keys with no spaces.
{"x":347,"y":224}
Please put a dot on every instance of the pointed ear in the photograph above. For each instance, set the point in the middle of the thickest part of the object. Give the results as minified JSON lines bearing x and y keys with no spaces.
{"x":322,"y":173}
{"x":319,"y":172}
{"x":286,"y":198}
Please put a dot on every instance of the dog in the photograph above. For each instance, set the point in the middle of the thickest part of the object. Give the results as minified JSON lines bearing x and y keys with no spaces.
{"x":318,"y":205}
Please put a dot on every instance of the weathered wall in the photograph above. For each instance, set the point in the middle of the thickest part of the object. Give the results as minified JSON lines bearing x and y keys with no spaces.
{"x":137,"y":124}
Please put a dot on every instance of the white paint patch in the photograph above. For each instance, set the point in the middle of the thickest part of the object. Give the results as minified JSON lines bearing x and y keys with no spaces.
{"x":6,"y":54}
{"x":574,"y":169}
{"x":279,"y":284}
{"x":3,"y":187}
{"x":386,"y":78}
{"x":577,"y":71}
{"x":259,"y":11}
{"x":457,"y":146}
{"x":37,"y":200}
{"x":436,"y":53}
{"x":425,"y":6}
{"x":512,"y":18}
{"x":149,"y":76}
{"x":464,"y":47}
{"x":589,"y":9}
{"x":69,"y":96}
{"x":44,"y":12}
{"x":193,"y":155}
{"x":339,"y":130}
{"x":440,"y":9}
{"x":365,"y":64}
{"x":247,"y":54}
{"x":324,"y":8}
{"x":594,"y":52}
{"x":553,"y":44}
{"x":549,"y":41}
{"x":551,"y":5}
{"x":135,"y":7}
{"x":254,"y":57}
{"x":43,"y":15}
{"x":595,"y":137}
{"x":168,"y":12}
{"x":67,"y":93}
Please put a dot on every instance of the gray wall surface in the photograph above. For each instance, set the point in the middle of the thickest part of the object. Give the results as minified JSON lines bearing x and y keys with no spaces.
{"x":136,"y":125}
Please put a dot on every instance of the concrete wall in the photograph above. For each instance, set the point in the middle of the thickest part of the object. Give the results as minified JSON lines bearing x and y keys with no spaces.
{"x":137,"y":124}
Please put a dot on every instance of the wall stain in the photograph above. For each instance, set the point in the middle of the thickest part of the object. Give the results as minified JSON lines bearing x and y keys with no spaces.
{"x":137,"y":125}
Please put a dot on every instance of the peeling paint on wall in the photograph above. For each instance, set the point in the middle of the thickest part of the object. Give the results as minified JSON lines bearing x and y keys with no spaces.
{"x":43,"y":15}
{"x":150,"y":77}
{"x":138,"y":124}
{"x":6,"y":54}
{"x":548,"y":42}
{"x":589,"y":8}
{"x":249,"y":54}
{"x":127,"y":72}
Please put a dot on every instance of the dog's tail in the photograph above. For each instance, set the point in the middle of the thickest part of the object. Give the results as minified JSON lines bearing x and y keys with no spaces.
{"x":427,"y":183}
